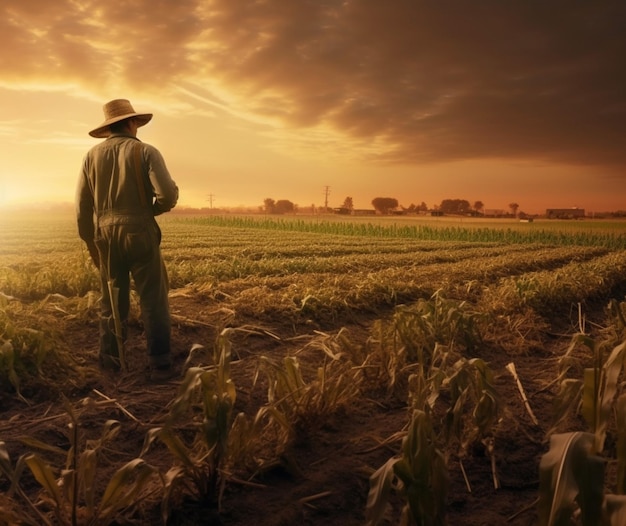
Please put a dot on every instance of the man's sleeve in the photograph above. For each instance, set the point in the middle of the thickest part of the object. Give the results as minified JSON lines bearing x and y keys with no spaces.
{"x":84,"y":207}
{"x":163,"y":186}
{"x":84,"y":215}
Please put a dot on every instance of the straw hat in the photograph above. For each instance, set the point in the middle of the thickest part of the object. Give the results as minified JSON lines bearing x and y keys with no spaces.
{"x":115,"y":111}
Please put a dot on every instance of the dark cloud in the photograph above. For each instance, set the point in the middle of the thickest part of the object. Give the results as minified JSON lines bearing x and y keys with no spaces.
{"x":433,"y":81}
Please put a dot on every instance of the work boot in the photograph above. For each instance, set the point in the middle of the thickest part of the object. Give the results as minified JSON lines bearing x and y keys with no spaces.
{"x":162,"y":374}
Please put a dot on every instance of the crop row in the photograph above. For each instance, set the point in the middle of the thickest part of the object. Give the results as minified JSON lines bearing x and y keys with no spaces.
{"x":439,"y":301}
{"x":587,"y":235}
{"x":32,"y":266}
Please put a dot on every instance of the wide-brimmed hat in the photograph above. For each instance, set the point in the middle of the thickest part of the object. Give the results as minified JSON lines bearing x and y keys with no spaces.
{"x":115,"y":111}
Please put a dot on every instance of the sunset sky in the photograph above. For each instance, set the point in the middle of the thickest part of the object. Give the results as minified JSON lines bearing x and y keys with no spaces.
{"x":499,"y":101}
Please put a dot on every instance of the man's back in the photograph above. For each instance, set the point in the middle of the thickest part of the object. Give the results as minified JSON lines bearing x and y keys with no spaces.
{"x":123,"y":184}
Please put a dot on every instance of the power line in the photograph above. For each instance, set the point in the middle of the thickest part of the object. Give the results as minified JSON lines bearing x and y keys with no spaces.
{"x":326,"y":194}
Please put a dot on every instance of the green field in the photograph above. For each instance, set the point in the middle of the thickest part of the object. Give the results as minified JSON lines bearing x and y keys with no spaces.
{"x":349,"y":335}
{"x":41,"y":254}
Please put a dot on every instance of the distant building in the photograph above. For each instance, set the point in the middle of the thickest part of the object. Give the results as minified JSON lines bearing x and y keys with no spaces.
{"x":565,"y":213}
{"x":494,"y":212}
{"x":364,"y":212}
{"x":355,"y":211}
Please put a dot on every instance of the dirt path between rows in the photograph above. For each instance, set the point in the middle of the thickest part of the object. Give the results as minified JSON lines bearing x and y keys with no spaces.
{"x":325,"y":477}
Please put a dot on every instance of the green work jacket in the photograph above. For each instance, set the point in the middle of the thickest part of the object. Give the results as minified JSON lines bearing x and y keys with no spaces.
{"x":109,"y":187}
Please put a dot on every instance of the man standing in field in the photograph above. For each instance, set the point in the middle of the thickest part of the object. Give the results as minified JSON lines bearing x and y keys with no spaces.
{"x":123,"y":184}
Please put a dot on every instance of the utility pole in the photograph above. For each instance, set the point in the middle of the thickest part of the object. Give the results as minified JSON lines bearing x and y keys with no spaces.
{"x":326,"y":194}
{"x":210,"y":200}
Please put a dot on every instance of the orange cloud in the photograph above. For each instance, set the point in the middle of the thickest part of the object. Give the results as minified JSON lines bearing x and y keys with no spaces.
{"x":425,"y":81}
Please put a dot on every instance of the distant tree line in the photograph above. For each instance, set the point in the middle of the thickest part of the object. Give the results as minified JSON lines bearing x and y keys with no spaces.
{"x":390,"y":205}
{"x":386,"y":205}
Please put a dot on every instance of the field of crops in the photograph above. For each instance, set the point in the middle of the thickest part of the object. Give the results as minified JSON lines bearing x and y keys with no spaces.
{"x":333,"y":371}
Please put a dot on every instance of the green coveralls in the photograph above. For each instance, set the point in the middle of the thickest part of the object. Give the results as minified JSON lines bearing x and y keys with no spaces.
{"x":116,"y":219}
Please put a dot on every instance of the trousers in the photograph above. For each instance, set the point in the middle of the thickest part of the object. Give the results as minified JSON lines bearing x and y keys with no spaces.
{"x":131,"y":247}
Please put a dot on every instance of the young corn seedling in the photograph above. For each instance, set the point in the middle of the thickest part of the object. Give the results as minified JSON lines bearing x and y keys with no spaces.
{"x":418,"y":474}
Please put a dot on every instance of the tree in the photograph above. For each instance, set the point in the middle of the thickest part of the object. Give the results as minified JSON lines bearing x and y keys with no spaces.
{"x":348,"y":204}
{"x":284,"y":206}
{"x":514,"y":207}
{"x":454,"y":206}
{"x":384,"y":204}
{"x":269,"y":205}
{"x":478,"y":206}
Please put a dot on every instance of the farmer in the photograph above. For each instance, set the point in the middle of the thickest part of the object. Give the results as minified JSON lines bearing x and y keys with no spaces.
{"x":123,"y":184}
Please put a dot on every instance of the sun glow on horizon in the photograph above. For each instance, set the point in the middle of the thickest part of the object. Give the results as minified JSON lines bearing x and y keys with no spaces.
{"x":364,"y":98}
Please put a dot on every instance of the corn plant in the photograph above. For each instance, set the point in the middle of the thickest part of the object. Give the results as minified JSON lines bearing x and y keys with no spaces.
{"x":220,"y":440}
{"x":471,"y":386}
{"x":595,"y":393}
{"x":617,"y":314}
{"x":571,"y":472}
{"x":70,"y":489}
{"x":295,"y":402}
{"x":420,"y":327}
{"x":571,"y":482}
{"x":473,"y":410}
{"x":591,"y":276}
{"x":423,"y":337}
{"x":418,"y":474}
{"x":571,"y":476}
{"x":620,"y":414}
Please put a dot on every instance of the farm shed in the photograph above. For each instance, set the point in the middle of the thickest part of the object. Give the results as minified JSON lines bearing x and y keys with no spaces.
{"x":565,"y":213}
{"x":363,"y":212}
{"x":355,"y":211}
{"x":494,"y":212}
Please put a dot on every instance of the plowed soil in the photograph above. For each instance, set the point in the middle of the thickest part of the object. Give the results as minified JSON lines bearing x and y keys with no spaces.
{"x":324,"y":478}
